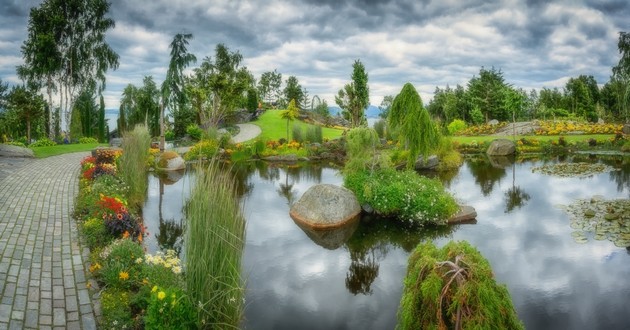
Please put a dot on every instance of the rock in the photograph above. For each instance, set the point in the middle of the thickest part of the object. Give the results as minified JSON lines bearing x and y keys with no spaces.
{"x":333,"y":238}
{"x":431,"y":163}
{"x":466,"y":214}
{"x":626,"y":129}
{"x":493,"y":122}
{"x":290,"y":158}
{"x":367,"y":208}
{"x":501,"y":161}
{"x":115,"y":142}
{"x":501,"y":147}
{"x":325,"y":206}
{"x":7,"y":150}
{"x":171,"y":161}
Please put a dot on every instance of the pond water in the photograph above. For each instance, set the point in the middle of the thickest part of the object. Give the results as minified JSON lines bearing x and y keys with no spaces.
{"x":352,"y":279}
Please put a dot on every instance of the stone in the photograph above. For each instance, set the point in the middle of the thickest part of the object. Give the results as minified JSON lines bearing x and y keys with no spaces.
{"x":626,"y":129}
{"x":116,"y":142}
{"x":171,"y":161}
{"x":325,"y":206}
{"x":501,"y":147}
{"x":466,"y":214}
{"x":432,"y":162}
{"x":7,"y":150}
{"x":493,"y":122}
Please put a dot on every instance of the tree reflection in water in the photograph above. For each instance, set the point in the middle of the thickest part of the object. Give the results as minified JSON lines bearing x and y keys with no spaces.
{"x":486,"y":175}
{"x":515,"y":197}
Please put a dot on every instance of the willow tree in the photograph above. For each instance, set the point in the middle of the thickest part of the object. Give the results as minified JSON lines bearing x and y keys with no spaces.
{"x":418,"y":133}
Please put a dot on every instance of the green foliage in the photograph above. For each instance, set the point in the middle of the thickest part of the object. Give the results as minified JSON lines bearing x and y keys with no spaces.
{"x":322,"y":109}
{"x":453,"y":287}
{"x":297,"y":134}
{"x":169,"y":135}
{"x":354,"y":97}
{"x":290,"y":114}
{"x":85,"y":140}
{"x":417,"y":131}
{"x":44,"y":143}
{"x":269,"y":86}
{"x":214,"y":247}
{"x":449,"y":157}
{"x":24,"y":109}
{"x":170,"y":308}
{"x":95,"y":233}
{"x":204,"y":149}
{"x":259,"y":146}
{"x":116,"y":311}
{"x":252,"y":100}
{"x":16,"y":143}
{"x":314,"y":134}
{"x":456,"y":126}
{"x":273,"y":127}
{"x":293,"y":91}
{"x":132,"y":165}
{"x":380,"y":127}
{"x":120,"y":268}
{"x":194,"y":131}
{"x":402,"y":194}
{"x":361,"y":145}
{"x":173,"y":88}
{"x":101,"y":120}
{"x":477,"y":116}
{"x":76,"y":128}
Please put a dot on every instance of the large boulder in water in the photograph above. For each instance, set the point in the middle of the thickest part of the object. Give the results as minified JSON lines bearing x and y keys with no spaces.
{"x":326,"y":206}
{"x":431,"y":163}
{"x":171,"y":161}
{"x":501,"y":147}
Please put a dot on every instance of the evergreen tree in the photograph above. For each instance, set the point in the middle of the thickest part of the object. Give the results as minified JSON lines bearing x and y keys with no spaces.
{"x":101,"y":121}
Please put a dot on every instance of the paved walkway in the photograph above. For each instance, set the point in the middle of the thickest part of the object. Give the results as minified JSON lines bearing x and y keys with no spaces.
{"x":43,"y":281}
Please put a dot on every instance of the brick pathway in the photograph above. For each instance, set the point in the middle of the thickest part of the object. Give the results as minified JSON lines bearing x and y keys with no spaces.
{"x":42,"y":273}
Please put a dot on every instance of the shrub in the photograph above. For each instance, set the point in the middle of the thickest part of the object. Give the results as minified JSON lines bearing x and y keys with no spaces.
{"x":43,"y":143}
{"x":456,"y":126}
{"x":453,"y":286}
{"x":87,"y":140}
{"x":120,"y":266}
{"x":16,"y":143}
{"x":116,"y":311}
{"x":626,"y":147}
{"x":163,"y":269}
{"x":562,"y":141}
{"x":169,"y":135}
{"x":360,"y":148}
{"x":204,"y":149}
{"x":259,"y":146}
{"x":194,"y":131}
{"x":296,"y":133}
{"x":170,"y":308}
{"x":402,"y":194}
{"x":314,"y":134}
{"x":592,"y":142}
{"x":449,"y":157}
{"x":106,"y":155}
{"x":224,"y":140}
{"x":379,"y":127}
{"x":95,"y":233}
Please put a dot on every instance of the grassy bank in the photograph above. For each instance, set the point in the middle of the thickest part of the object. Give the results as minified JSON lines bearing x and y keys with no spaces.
{"x":541,"y":138}
{"x":274,"y":128}
{"x":43,"y":152}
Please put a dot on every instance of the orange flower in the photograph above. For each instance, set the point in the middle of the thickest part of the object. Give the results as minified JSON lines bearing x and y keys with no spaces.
{"x":119,"y":216}
{"x":140,"y":238}
{"x":126,"y":234}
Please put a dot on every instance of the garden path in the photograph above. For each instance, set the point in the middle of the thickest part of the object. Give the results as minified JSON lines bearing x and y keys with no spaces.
{"x":43,"y":275}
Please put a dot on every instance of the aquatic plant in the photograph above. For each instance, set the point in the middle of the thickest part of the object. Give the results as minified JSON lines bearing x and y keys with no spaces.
{"x":601,"y":220}
{"x":215,"y":238}
{"x":453,"y":288}
{"x":567,"y":170}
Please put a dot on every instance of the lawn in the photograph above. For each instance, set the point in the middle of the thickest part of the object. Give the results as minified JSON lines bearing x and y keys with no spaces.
{"x":43,"y":152}
{"x":273,"y":127}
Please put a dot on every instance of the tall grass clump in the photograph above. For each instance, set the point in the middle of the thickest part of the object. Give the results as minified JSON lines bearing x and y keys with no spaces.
{"x":453,"y":288}
{"x":297,"y":133}
{"x":133,"y":163}
{"x":215,"y":238}
{"x":314,"y":134}
{"x":361,"y":150}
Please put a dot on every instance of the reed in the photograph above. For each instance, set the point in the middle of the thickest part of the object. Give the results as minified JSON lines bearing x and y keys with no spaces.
{"x":133,"y":163}
{"x":215,"y":238}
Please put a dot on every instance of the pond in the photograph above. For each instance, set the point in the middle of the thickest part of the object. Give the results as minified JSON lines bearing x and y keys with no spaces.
{"x":353,"y":279}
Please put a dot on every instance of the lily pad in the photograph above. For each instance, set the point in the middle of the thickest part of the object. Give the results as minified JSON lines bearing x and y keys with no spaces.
{"x":589,"y":213}
{"x":604,"y":219}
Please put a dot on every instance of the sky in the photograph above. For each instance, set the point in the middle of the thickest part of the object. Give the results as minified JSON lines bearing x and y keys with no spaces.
{"x":535,"y":43}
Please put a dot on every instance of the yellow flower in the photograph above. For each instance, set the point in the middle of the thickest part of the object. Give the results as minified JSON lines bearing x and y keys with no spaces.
{"x":161,"y":295}
{"x":145,"y":281}
{"x":154,"y":288}
{"x":123,"y":276}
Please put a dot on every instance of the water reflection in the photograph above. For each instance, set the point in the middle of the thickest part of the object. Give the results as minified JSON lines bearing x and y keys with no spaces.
{"x":305,"y":280}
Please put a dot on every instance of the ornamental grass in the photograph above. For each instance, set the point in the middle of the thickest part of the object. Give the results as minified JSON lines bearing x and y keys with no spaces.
{"x":133,"y":163}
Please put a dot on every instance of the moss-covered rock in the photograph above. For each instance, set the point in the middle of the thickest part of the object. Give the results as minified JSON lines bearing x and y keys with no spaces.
{"x":453,"y":288}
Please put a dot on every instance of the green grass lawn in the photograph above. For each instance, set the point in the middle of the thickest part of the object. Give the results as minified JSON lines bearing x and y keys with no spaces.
{"x":541,"y":138}
{"x":43,"y":152}
{"x":273,"y":127}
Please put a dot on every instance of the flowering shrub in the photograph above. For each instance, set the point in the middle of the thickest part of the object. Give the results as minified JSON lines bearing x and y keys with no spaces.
{"x":168,"y":260}
{"x":564,"y":127}
{"x":107,"y":155}
{"x":170,"y":308}
{"x":483,"y":129}
{"x":43,"y":143}
{"x":204,"y":149}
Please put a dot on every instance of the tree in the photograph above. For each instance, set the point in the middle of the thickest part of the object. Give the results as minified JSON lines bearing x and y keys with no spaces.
{"x":621,"y":72}
{"x":67,"y":42}
{"x":87,"y":118}
{"x":252,"y":100}
{"x":417,"y":131}
{"x":580,"y":98}
{"x":27,"y":105}
{"x":290,"y":114}
{"x":486,"y":92}
{"x":354,"y":97}
{"x":386,"y":104}
{"x":173,"y":95}
{"x":101,"y":121}
{"x":293,"y":91}
{"x":269,"y":86}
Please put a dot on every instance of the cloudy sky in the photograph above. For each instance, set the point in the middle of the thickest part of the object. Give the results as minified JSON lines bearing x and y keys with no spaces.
{"x":536,"y":43}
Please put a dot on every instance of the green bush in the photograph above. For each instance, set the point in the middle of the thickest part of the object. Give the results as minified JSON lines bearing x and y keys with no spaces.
{"x":194,"y":131}
{"x":296,"y":133}
{"x":116,"y":310}
{"x":224,"y":141}
{"x":122,"y":264}
{"x":16,"y":143}
{"x":379,"y":127}
{"x":204,"y":149}
{"x":361,"y":149}
{"x":87,"y":140}
{"x":477,"y":116}
{"x":453,"y":285}
{"x":259,"y":146}
{"x":95,"y":233}
{"x":43,"y":143}
{"x":456,"y":126}
{"x":449,"y":157}
{"x":169,"y":135}
{"x":626,"y":146}
{"x":314,"y":134}
{"x":402,"y":194}
{"x":170,"y":308}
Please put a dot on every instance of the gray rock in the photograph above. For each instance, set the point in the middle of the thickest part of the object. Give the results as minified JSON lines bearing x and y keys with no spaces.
{"x":432,"y":162}
{"x":501,"y":147}
{"x":626,"y":129}
{"x":466,"y":214}
{"x":116,"y":142}
{"x":493,"y":122}
{"x":7,"y":150}
{"x":325,"y":206}
{"x":367,"y":208}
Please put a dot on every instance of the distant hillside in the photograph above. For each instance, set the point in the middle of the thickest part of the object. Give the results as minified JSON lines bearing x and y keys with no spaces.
{"x":371,"y":112}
